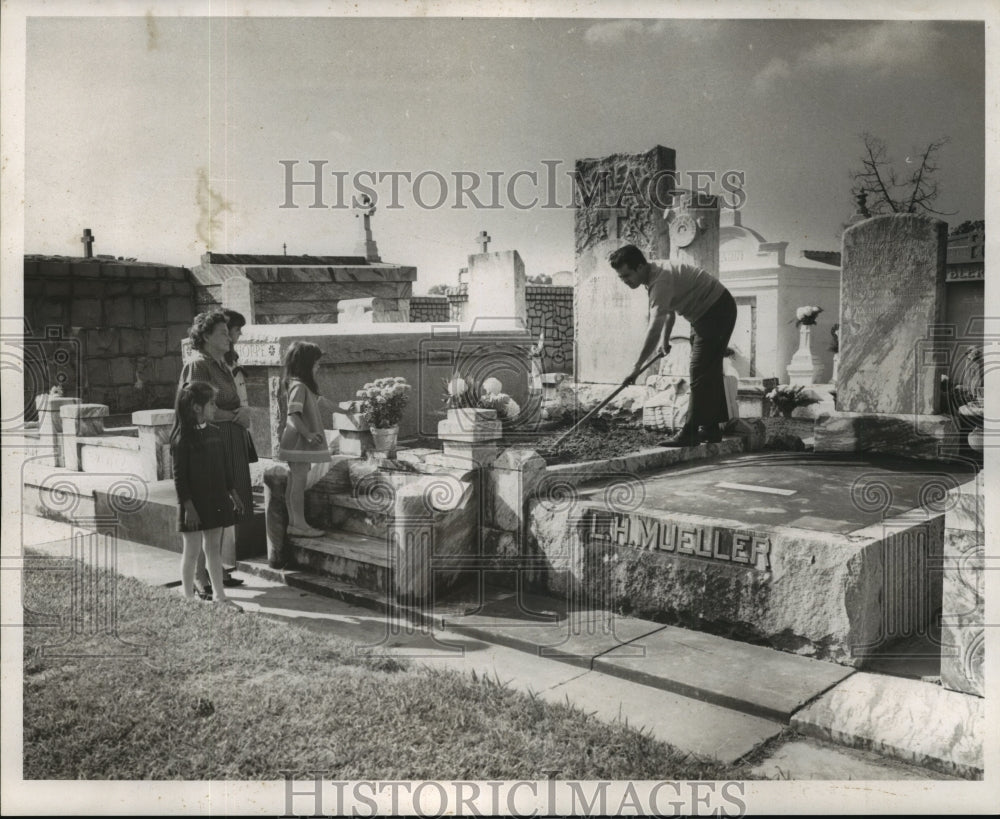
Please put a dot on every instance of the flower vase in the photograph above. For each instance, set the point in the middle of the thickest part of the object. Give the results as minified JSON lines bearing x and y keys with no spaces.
{"x":385,"y":440}
{"x":804,"y":368}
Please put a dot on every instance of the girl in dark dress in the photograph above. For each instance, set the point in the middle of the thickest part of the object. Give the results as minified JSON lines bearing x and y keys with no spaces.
{"x":210,"y":338}
{"x":203,"y":478}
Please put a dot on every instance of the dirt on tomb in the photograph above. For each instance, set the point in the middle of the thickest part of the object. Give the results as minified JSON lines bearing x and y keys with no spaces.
{"x":596,"y":440}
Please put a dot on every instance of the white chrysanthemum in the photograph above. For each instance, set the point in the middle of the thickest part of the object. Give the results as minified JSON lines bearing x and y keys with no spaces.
{"x":457,"y":386}
{"x":492,"y":386}
{"x":512,"y":409}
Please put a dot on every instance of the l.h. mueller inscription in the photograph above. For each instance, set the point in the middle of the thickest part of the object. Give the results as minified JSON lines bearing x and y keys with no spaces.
{"x":750,"y":549}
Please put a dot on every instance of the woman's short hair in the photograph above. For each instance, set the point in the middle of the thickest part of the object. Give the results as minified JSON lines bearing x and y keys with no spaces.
{"x":202,"y":327}
{"x":234,"y":319}
{"x":627,"y":256}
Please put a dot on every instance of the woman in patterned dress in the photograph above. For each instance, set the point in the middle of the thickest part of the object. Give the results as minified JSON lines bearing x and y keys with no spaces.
{"x":209,"y":336}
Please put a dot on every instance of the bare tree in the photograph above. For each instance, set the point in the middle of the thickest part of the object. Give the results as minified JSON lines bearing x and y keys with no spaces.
{"x":889,"y":191}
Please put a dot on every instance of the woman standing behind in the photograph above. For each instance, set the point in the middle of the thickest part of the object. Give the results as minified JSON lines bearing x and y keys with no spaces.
{"x":236,"y":322}
{"x":209,"y":336}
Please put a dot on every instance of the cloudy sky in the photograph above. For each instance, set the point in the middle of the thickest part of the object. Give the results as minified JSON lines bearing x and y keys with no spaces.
{"x":164,"y":133}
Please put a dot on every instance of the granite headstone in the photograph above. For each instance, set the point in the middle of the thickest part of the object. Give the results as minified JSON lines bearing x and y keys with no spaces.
{"x":892,"y":294}
{"x":620,"y":200}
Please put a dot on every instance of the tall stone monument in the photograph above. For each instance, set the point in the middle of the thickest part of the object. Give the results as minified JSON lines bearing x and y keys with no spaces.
{"x":496,"y":290}
{"x":891,"y":361}
{"x":620,"y":199}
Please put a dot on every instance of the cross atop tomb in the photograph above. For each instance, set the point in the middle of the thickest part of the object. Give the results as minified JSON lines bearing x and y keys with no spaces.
{"x":366,"y":244}
{"x":88,"y":243}
{"x":484,"y":239}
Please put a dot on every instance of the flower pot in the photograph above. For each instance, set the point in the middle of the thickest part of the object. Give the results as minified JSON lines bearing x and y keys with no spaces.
{"x":385,"y":440}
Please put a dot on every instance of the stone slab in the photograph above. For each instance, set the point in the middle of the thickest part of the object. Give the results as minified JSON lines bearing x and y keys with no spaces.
{"x":752,"y":569}
{"x":748,"y":678}
{"x":481,"y":430}
{"x":966,"y":506}
{"x":963,"y":612}
{"x":812,"y":759}
{"x":155,"y":418}
{"x":914,"y":721}
{"x":575,"y":637}
{"x":462,"y":455}
{"x":699,"y":728}
{"x":915,"y":436}
{"x":835,"y":493}
{"x":892,"y":294}
{"x":80,"y":411}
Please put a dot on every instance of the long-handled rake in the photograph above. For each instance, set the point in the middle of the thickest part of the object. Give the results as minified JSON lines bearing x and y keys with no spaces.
{"x":605,"y":402}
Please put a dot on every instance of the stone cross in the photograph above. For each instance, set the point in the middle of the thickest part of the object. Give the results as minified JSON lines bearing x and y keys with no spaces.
{"x":367,"y":245}
{"x":484,"y":239}
{"x":88,"y":243}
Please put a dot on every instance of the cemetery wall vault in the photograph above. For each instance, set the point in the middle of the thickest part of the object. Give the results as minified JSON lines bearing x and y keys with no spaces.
{"x":128,"y":319}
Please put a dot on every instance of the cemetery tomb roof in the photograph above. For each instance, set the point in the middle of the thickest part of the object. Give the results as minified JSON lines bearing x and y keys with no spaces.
{"x":276,"y":260}
{"x":98,"y":259}
{"x":831,"y":257}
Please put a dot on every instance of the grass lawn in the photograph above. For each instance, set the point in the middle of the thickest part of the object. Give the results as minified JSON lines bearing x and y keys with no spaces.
{"x":225,"y":695}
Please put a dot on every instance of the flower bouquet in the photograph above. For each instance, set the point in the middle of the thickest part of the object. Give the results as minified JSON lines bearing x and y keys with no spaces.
{"x":458,"y":393}
{"x":806,"y":316}
{"x":382,"y":401}
{"x":494,"y":398}
{"x":784,"y":398}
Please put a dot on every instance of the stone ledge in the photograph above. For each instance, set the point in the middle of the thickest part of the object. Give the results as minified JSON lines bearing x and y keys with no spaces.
{"x":910,"y":720}
{"x":643,"y":460}
{"x":916,"y":436}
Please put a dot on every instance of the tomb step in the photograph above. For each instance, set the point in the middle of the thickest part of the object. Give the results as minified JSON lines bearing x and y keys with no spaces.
{"x":361,"y":559}
{"x":58,"y":494}
{"x":131,"y":508}
{"x":341,"y":511}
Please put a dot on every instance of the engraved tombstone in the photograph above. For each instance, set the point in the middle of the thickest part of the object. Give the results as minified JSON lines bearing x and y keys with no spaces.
{"x":620,"y":200}
{"x":892,"y":293}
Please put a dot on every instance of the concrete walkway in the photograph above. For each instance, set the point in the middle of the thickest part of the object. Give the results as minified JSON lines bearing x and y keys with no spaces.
{"x":676,"y":707}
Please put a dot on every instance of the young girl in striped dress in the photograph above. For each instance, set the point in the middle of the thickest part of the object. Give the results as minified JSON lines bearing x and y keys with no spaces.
{"x":203,"y":478}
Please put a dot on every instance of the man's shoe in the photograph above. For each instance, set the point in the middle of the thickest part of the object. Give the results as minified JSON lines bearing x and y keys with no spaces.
{"x":204,"y":592}
{"x":684,"y":437}
{"x":228,"y":579}
{"x":711,"y":434}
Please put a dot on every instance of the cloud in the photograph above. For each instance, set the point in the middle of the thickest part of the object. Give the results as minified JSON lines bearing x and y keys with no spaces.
{"x":615,"y":32}
{"x":877,"y":48}
{"x":777,"y":69}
